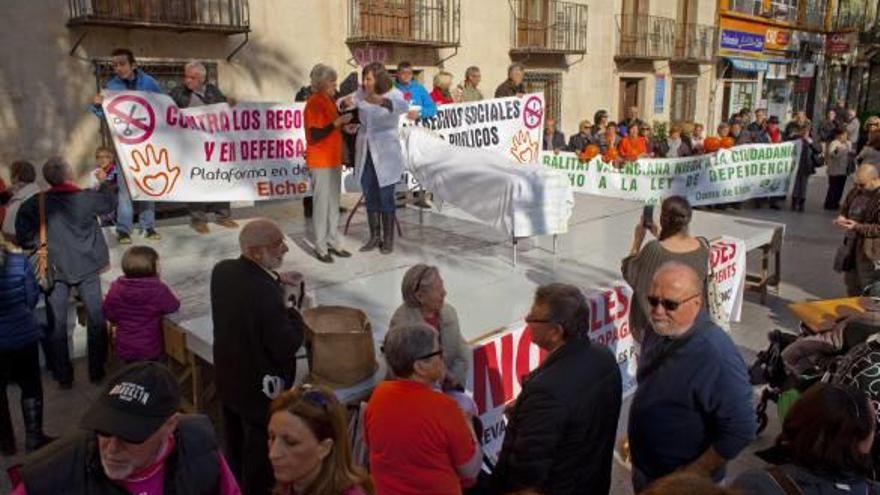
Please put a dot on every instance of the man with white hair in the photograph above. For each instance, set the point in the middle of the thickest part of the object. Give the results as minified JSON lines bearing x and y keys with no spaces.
{"x":692,"y":410}
{"x":196,"y":91}
{"x":257,"y":331}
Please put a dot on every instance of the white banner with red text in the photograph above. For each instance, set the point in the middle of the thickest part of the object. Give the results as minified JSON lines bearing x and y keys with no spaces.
{"x":252,"y":151}
{"x":726,"y":176}
{"x":256,"y":151}
{"x":727,"y":258}
{"x":502,"y":360}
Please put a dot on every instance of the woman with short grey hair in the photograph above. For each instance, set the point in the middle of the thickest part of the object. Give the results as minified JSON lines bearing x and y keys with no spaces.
{"x":419,"y":440}
{"x":424,"y":302}
{"x":324,"y":159}
{"x":407,"y":345}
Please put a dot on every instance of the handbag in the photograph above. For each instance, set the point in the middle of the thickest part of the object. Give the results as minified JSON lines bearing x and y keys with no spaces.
{"x":339,"y":346}
{"x":39,"y":259}
{"x":845,"y":257}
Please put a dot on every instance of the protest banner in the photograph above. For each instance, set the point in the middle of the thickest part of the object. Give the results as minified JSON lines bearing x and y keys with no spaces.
{"x":252,"y":151}
{"x":502,"y":360}
{"x":512,"y":126}
{"x":727,"y":176}
{"x":727,"y":258}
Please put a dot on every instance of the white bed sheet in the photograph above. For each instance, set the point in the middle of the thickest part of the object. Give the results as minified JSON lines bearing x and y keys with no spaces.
{"x":520,"y":200}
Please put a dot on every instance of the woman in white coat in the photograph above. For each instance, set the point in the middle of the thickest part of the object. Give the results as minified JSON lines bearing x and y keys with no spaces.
{"x":378,"y":153}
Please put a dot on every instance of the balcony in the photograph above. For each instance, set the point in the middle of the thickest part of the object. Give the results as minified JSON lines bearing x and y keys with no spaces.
{"x":551,"y":26}
{"x":427,"y":23}
{"x":694,"y":42}
{"x":645,"y":37}
{"x":217,"y":16}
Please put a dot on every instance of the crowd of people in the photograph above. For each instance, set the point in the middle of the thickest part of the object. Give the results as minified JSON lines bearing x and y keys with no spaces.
{"x":691,"y":414}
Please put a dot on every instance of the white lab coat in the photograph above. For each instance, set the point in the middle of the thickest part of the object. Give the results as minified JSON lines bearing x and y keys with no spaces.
{"x":379,"y":131}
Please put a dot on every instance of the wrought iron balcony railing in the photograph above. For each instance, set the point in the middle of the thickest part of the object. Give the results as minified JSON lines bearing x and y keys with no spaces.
{"x":645,"y":36}
{"x":551,"y":26}
{"x":221,"y":16}
{"x":694,"y":42}
{"x":435,"y":23}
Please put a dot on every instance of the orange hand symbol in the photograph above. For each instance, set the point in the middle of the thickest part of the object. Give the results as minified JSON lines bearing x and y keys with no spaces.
{"x":523,"y":149}
{"x":153,"y":173}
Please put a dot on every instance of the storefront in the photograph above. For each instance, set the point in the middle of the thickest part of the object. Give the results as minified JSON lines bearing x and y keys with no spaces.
{"x":742,"y":64}
{"x":765,"y":66}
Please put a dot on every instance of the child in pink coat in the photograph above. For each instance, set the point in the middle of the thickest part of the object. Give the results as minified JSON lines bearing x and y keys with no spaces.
{"x":136,"y":304}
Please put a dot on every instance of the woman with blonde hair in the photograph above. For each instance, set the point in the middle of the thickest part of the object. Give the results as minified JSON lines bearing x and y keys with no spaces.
{"x":308,"y":445}
{"x":442,"y":94}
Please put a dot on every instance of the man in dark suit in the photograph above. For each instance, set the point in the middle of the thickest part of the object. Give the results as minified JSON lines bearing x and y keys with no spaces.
{"x":257,"y":331}
{"x":560,"y":437}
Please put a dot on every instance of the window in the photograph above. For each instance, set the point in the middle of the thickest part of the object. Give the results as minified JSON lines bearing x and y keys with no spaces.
{"x":549,"y":83}
{"x":751,"y":7}
{"x":684,"y":99}
{"x":784,"y":10}
{"x":386,"y":19}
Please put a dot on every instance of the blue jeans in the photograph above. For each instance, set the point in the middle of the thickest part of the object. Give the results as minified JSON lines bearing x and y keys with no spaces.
{"x":378,"y":199}
{"x":89,"y":290}
{"x":125,"y":210}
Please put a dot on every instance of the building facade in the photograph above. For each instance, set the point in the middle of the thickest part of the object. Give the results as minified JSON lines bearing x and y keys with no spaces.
{"x":853,"y":48}
{"x":771,"y":54}
{"x":585,"y":55}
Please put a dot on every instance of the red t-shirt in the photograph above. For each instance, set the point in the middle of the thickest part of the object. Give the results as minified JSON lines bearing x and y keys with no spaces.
{"x":416,"y":436}
{"x":319,"y":113}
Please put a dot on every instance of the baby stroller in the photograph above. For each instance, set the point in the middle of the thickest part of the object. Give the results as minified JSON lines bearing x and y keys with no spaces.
{"x":792,"y":363}
{"x":769,"y":370}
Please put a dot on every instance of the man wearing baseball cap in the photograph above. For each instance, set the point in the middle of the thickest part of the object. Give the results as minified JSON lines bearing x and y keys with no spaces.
{"x":133,"y":440}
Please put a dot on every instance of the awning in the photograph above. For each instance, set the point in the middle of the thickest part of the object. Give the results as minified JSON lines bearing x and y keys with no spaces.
{"x":748,"y":65}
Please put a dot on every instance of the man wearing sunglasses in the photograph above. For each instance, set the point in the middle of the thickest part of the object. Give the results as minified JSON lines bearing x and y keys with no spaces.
{"x":692,"y":410}
{"x":133,"y":440}
{"x":561,"y":429}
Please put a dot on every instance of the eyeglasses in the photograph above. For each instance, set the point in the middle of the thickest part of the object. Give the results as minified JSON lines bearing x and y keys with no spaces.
{"x":438,"y":352}
{"x":315,"y":396}
{"x":668,"y":304}
{"x":537,"y":320}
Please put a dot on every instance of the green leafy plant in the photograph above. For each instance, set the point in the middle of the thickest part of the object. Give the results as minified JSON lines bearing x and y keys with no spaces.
{"x":661,"y":130}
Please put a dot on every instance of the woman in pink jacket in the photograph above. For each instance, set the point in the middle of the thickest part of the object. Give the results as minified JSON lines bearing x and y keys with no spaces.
{"x":136,"y":304}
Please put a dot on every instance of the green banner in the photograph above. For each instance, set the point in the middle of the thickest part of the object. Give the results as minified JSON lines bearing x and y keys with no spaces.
{"x":726,"y":176}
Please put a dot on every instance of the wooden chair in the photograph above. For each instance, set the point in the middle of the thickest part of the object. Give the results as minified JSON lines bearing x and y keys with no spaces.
{"x":182,"y":364}
{"x":771,"y":254}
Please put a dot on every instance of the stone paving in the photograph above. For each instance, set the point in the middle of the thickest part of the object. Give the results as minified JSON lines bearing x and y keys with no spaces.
{"x":810,"y":241}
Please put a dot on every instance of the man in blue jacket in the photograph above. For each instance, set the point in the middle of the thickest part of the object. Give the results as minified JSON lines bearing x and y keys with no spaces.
{"x":692,"y":410}
{"x":413,"y":91}
{"x":128,"y":76}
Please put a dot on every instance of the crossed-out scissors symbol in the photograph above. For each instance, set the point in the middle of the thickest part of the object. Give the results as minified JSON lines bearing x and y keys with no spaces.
{"x":129,"y":121}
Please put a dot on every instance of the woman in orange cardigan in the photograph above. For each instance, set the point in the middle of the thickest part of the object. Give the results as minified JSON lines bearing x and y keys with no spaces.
{"x":324,"y":159}
{"x":633,"y":146}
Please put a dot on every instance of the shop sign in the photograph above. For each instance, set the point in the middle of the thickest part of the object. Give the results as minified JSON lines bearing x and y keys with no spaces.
{"x":777,"y":39}
{"x":839,"y":43}
{"x":659,"y":92}
{"x":741,"y":41}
